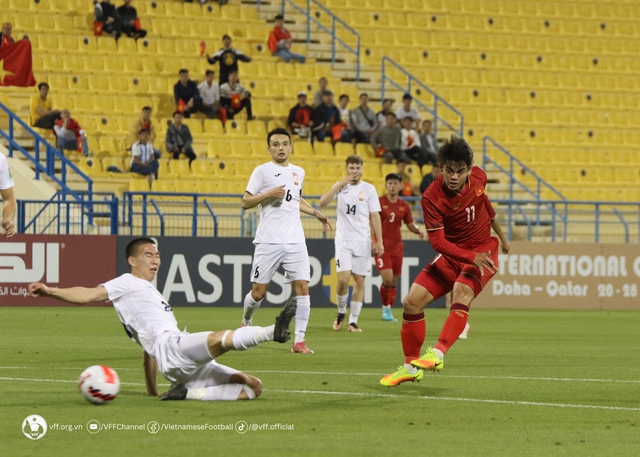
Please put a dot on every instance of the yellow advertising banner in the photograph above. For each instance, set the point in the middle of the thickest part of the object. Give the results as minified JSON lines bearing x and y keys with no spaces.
{"x":565,"y":276}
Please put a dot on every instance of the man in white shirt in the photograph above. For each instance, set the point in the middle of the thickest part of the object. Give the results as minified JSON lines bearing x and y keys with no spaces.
{"x":8,"y":199}
{"x":357,"y":200}
{"x":276,"y":187}
{"x":143,"y":157}
{"x":406,"y":110}
{"x":210,"y":93}
{"x":185,"y":359}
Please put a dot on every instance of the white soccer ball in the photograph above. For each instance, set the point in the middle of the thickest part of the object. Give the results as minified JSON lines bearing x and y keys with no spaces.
{"x":99,"y":384}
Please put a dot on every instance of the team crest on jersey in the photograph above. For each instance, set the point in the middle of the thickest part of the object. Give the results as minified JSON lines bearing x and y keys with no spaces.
{"x":480,"y":191}
{"x":385,"y":206}
{"x":361,"y":196}
{"x":295,"y":178}
{"x":456,"y":207}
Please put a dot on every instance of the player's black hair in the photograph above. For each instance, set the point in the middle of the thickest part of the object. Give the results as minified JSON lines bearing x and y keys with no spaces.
{"x":277,"y":131}
{"x":353,"y":158}
{"x":41,"y":85}
{"x":455,"y":150}
{"x":132,"y":248}
{"x":391,"y":176}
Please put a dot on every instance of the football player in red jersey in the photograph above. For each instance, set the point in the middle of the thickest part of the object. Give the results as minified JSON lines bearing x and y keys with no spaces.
{"x":458,"y":217}
{"x":394,"y":212}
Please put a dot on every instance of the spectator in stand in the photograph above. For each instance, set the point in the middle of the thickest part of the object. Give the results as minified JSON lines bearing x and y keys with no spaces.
{"x":6,"y":38}
{"x":346,"y":129}
{"x":130,"y":24}
{"x":300,"y":117}
{"x":179,"y":139}
{"x":325,"y":118}
{"x":143,"y":158}
{"x":187,"y":96}
{"x":407,"y":189}
{"x":41,"y":112}
{"x":69,"y":133}
{"x":411,"y":143}
{"x":428,"y":178}
{"x":381,"y":117}
{"x":386,"y":141}
{"x":107,"y":14}
{"x":280,"y":41}
{"x":234,"y":97}
{"x":143,"y":122}
{"x":406,"y":110}
{"x":228,"y":58}
{"x":363,"y":120}
{"x":428,"y":141}
{"x":317,"y":97}
{"x":210,"y":94}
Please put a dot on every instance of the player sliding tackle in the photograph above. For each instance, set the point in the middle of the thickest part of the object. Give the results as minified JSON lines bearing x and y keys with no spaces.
{"x":458,"y":217}
{"x":185,"y":359}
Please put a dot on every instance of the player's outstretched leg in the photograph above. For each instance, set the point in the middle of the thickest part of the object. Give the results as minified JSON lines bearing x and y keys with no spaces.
{"x":281,"y":331}
{"x":178,"y":391}
{"x":240,"y":386}
{"x":431,"y":360}
{"x":402,"y":374}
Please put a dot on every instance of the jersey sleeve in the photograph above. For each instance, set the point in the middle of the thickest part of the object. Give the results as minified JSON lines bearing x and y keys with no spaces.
{"x":255,"y":181}
{"x":408,"y":217}
{"x":335,"y":197}
{"x":374,"y":200}
{"x":118,"y":287}
{"x":432,"y":215}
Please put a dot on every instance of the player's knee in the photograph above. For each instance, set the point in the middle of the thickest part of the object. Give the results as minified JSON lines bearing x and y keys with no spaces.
{"x":411,"y":306}
{"x":255,"y":385}
{"x":462,"y":294}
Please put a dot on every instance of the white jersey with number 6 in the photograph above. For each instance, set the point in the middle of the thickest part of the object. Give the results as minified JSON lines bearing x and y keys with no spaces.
{"x":355,"y":204}
{"x":279,"y":217}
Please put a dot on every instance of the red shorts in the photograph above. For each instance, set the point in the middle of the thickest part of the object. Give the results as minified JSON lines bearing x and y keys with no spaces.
{"x":442,"y":272}
{"x":391,"y":261}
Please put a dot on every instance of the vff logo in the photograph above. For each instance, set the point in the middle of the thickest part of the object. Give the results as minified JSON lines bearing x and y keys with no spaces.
{"x":13,"y":268}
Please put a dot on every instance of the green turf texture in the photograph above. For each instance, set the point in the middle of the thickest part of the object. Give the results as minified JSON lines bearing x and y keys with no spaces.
{"x":513,"y":388}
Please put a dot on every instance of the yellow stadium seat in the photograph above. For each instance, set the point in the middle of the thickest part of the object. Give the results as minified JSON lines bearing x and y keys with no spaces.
{"x":128,"y":45}
{"x":365,"y":150}
{"x":343,"y":149}
{"x":93,"y":63}
{"x":114,"y":66}
{"x":323,"y":149}
{"x":240,"y":149}
{"x":236,"y":127}
{"x":257,"y":129}
{"x":302,"y":149}
{"x":201,"y":169}
{"x":286,"y":70}
{"x":138,"y":185}
{"x":230,"y":11}
{"x":162,"y":185}
{"x":331,"y":170}
{"x":195,"y":125}
{"x":113,"y":162}
{"x":180,"y":168}
{"x":207,"y":186}
{"x":213,"y":126}
{"x":371,"y":170}
{"x":124,"y":104}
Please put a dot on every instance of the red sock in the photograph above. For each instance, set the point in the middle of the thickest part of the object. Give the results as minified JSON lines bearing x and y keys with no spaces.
{"x":453,"y":327}
{"x":392,"y":295}
{"x":414,"y":329}
{"x":384,"y":295}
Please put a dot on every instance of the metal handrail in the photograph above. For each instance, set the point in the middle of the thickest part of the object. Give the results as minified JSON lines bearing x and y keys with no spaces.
{"x":411,"y":81}
{"x":51,"y":154}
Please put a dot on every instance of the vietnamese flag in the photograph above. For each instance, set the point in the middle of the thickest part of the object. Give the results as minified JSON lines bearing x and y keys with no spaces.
{"x":181,"y":106}
{"x":15,"y":65}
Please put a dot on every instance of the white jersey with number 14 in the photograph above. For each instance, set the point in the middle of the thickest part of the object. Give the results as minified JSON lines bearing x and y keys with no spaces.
{"x":355,"y":204}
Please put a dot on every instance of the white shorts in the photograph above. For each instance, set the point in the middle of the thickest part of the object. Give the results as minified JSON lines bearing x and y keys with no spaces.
{"x":185,"y":357}
{"x":268,"y":257}
{"x":354,"y":256}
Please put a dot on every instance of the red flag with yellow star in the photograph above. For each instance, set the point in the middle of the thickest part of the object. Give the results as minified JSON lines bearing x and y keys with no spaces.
{"x":15,"y":65}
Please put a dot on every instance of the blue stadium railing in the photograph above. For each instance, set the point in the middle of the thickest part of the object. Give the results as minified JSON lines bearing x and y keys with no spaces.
{"x":335,"y":22}
{"x":414,"y":86}
{"x":51,"y":154}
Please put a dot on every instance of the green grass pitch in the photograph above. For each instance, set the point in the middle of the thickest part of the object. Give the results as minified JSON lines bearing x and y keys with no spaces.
{"x":525,"y":383}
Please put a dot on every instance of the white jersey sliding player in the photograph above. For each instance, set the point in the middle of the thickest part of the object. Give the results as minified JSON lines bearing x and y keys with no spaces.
{"x":185,"y":359}
{"x":357,"y":200}
{"x":276,"y":187}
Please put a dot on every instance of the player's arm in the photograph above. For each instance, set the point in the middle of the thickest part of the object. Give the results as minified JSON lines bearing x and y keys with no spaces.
{"x":150,"y":372}
{"x":331,"y":193}
{"x":480,"y":259}
{"x":306,"y":208}
{"x":503,"y":239}
{"x":413,"y":228}
{"x":376,"y":223}
{"x":77,"y":295}
{"x":251,"y":201}
{"x":8,"y":211}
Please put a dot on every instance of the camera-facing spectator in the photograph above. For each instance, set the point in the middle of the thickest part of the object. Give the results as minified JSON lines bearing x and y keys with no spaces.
{"x":107,"y":15}
{"x":143,"y":122}
{"x":317,"y":97}
{"x":41,"y":112}
{"x":228,"y":58}
{"x":143,"y":157}
{"x":130,"y":23}
{"x":411,"y":142}
{"x":280,"y":41}
{"x":179,"y":139}
{"x":387,"y":107}
{"x":69,"y":133}
{"x":300,"y":117}
{"x":210,"y":93}
{"x":363,"y":120}
{"x":187,"y":96}
{"x":346,"y":129}
{"x":234,"y":97}
{"x":387,"y":140}
{"x":326,"y":117}
{"x":428,"y":141}
{"x":406,"y":110}
{"x":6,"y":38}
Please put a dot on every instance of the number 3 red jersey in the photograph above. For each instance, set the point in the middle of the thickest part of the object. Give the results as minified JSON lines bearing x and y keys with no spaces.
{"x":393,"y":215}
{"x":465,"y":217}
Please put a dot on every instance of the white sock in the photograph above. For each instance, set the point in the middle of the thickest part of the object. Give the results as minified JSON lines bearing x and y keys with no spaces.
{"x":303,"y":310}
{"x":246,"y":337}
{"x":438,"y":353}
{"x":342,"y":303}
{"x":356,"y":306}
{"x":386,"y":306}
{"x":228,"y":392}
{"x":250,"y":307}
{"x":410,"y":368}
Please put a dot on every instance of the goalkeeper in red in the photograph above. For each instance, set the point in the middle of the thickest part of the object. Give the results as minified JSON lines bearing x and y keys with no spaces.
{"x":458,"y":217}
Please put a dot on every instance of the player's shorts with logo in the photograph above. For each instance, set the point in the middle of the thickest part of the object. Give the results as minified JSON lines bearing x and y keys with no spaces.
{"x":390,"y":260}
{"x":268,"y":257}
{"x":442,"y":272}
{"x":184,"y":357}
{"x":354,"y":256}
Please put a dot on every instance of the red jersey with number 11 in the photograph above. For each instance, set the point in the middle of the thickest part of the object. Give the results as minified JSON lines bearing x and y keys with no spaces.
{"x":465,"y":217}
{"x":393,"y":215}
